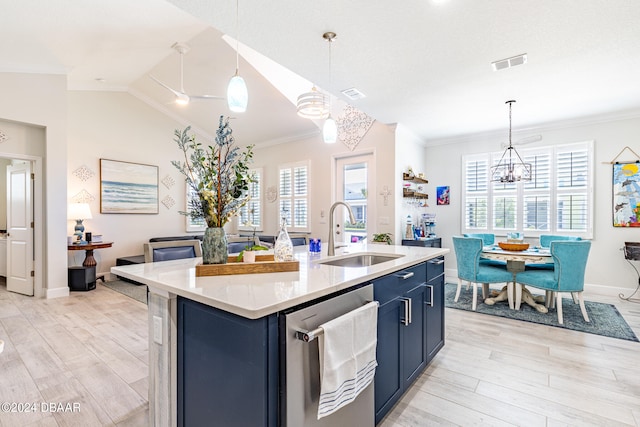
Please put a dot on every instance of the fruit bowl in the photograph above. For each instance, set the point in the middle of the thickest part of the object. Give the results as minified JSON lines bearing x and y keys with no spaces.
{"x":509,"y":246}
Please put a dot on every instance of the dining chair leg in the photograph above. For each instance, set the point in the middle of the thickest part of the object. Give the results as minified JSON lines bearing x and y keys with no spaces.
{"x":548,"y":299}
{"x":559,"y":307}
{"x":510,"y":294}
{"x":574,"y":295}
{"x":458,"y":290}
{"x":474,"y":303}
{"x":583,"y":309}
{"x":518,"y":298}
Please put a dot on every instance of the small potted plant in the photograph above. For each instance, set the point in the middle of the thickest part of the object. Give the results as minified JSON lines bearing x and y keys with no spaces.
{"x":248,"y":254}
{"x":384,"y":238}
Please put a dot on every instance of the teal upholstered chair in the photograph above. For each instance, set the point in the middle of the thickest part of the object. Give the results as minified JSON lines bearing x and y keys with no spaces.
{"x":570,"y":262}
{"x":468,"y":251}
{"x":487,"y":240}
{"x":545,"y":241}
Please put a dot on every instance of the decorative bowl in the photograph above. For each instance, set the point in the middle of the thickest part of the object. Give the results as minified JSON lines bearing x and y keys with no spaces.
{"x":508,"y":246}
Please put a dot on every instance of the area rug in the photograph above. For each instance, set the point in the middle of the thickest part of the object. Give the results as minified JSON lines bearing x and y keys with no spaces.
{"x":137,"y":292}
{"x":605,"y":319}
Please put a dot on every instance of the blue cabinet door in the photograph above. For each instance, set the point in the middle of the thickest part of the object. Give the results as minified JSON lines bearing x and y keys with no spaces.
{"x":388,"y":383}
{"x":227,"y":368}
{"x":414,"y":333}
{"x":435,"y":317}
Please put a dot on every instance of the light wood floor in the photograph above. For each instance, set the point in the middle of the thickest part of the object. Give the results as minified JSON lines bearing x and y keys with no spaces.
{"x":91,"y":349}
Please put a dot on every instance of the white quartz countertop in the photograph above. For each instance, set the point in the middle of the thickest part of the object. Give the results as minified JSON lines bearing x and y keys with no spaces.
{"x":258,"y":295}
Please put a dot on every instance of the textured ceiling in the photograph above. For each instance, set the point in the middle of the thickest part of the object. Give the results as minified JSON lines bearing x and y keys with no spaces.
{"x":419,"y":63}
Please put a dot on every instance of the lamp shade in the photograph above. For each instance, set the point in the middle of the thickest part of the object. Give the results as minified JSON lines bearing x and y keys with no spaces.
{"x":330,"y":131}
{"x":237,"y":94}
{"x":77,"y":211}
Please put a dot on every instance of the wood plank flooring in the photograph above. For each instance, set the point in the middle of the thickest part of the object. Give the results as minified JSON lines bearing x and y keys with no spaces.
{"x":90,"y":349}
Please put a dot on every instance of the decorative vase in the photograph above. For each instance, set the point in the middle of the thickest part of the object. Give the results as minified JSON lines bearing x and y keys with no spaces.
{"x":214,"y":246}
{"x":283,"y":248}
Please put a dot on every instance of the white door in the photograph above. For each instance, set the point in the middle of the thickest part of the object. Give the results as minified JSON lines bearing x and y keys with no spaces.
{"x":355,"y":184}
{"x":19,"y":229}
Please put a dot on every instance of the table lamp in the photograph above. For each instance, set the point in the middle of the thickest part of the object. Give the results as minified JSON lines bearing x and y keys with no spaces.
{"x":78,"y":212}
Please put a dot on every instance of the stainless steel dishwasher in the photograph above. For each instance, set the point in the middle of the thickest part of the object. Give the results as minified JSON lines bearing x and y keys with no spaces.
{"x":302,"y":370}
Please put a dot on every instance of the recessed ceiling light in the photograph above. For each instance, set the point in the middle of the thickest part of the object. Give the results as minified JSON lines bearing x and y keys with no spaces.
{"x":101,"y":80}
{"x":501,"y":64}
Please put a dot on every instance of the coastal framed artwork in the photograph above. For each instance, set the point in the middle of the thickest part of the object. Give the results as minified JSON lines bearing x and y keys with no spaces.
{"x":128,"y":188}
{"x":626,"y":194}
{"x":442,"y":194}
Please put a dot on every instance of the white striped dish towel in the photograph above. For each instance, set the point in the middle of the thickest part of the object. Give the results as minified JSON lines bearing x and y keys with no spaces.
{"x":347,"y":351}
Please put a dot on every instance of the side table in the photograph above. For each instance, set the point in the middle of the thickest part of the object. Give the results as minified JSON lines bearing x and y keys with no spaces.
{"x":84,"y":278}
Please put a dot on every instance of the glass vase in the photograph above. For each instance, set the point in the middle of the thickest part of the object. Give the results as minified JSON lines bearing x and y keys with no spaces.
{"x":283,"y":249}
{"x":214,"y":246}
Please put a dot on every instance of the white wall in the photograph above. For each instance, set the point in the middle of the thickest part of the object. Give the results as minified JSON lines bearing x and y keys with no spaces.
{"x":38,"y":100}
{"x":607,"y":266}
{"x":117,"y":126}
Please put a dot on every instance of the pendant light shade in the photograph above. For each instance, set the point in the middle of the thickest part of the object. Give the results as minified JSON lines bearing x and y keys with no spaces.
{"x":330,"y":131}
{"x":237,"y":94}
{"x":313,"y":105}
{"x":511,"y":167}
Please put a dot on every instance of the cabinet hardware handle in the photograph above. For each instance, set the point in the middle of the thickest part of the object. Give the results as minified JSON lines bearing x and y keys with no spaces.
{"x":407,"y":311}
{"x":440,"y":262}
{"x":404,"y":276}
{"x":431,"y":297}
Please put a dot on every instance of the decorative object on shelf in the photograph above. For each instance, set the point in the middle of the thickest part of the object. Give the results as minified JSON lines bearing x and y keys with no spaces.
{"x":78,"y":212}
{"x":83,"y":173}
{"x":413,"y":189}
{"x":330,"y":129}
{"x":237,"y":94}
{"x":272,"y":193}
{"x":385,"y":193}
{"x":353,"y":125}
{"x":219,"y":176}
{"x":511,"y":167}
{"x":127,"y":188}
{"x":3,"y":137}
{"x":442,"y":194}
{"x":382,"y":238}
{"x":283,"y":248}
{"x":168,"y":181}
{"x":83,"y":197}
{"x":313,"y":105}
{"x":168,"y":202}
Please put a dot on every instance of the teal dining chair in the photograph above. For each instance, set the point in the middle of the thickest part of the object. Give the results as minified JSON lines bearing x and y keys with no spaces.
{"x":468,"y":251}
{"x":570,"y":262}
{"x":487,"y":240}
{"x":545,"y":241}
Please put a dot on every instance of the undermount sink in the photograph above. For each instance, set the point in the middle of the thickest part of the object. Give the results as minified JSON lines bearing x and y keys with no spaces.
{"x":360,"y":260}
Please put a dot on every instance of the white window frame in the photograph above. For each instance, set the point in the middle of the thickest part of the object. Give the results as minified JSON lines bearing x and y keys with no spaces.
{"x":494,"y":191}
{"x":293,"y":197}
{"x":256,"y":196}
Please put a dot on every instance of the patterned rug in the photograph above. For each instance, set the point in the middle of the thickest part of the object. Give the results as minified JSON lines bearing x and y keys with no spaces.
{"x":605,"y":319}
{"x":137,"y":292}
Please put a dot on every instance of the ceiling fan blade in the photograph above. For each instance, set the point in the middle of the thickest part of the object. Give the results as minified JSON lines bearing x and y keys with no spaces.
{"x":175,"y":92}
{"x":206,"y":97}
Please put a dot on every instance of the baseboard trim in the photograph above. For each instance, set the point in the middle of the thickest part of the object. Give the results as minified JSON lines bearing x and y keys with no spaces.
{"x":57,"y":292}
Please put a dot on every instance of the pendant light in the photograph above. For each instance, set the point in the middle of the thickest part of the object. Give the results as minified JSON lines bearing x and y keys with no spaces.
{"x":237,"y":94}
{"x":511,"y":167}
{"x":330,"y":129}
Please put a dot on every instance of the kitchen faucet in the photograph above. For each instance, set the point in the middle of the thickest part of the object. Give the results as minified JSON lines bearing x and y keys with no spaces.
{"x":331,"y":250}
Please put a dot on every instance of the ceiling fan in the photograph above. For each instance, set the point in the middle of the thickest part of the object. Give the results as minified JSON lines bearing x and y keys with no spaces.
{"x":182,"y":97}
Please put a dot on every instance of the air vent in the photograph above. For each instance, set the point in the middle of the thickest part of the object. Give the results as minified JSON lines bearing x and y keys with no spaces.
{"x":509,"y":62}
{"x":353,"y":94}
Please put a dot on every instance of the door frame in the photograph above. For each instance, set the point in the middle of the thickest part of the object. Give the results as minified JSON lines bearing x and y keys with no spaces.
{"x":38,"y":218}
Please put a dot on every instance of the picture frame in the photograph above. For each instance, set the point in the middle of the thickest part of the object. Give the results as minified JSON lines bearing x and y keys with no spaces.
{"x":128,"y":188}
{"x":443,"y":195}
{"x":626,"y":194}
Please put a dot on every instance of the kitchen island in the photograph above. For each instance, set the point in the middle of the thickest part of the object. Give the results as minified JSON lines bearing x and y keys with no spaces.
{"x":221,"y":324}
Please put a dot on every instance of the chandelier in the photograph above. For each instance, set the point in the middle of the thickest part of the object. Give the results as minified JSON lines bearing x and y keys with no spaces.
{"x":313,"y":105}
{"x":511,"y":167}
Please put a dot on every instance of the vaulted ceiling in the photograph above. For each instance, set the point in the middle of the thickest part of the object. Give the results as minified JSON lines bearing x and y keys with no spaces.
{"x":424,"y":64}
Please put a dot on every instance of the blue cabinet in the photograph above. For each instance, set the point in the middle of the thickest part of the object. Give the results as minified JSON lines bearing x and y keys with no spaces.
{"x":410,"y":329}
{"x":227,"y":368}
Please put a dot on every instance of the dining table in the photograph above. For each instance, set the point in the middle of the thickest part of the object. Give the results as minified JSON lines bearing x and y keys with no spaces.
{"x":516,"y":262}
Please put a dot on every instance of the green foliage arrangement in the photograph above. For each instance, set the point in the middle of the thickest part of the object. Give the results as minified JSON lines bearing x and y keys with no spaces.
{"x":218,"y":175}
{"x":383,"y":238}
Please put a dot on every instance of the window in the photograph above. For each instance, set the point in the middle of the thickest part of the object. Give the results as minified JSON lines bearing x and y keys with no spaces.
{"x":294,"y":203}
{"x":558,"y":198}
{"x":251,"y":213}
